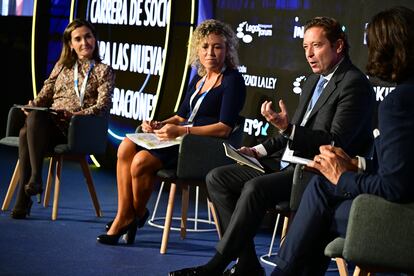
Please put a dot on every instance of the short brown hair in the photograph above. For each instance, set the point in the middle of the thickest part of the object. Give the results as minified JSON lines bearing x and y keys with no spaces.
{"x":390,"y":38}
{"x":333,"y":30}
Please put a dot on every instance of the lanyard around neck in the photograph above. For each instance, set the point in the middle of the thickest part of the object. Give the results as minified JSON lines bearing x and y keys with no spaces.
{"x":193,"y":111}
{"x":81,"y":93}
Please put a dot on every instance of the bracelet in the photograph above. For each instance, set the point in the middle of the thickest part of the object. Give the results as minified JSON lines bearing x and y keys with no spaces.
{"x":187,"y":130}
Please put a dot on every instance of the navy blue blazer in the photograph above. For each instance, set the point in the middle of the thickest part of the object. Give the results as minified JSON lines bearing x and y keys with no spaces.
{"x":391,"y":176}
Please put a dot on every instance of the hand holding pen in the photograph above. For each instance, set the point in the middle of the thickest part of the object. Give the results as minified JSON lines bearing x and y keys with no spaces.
{"x":150,"y":126}
{"x":332,"y":162}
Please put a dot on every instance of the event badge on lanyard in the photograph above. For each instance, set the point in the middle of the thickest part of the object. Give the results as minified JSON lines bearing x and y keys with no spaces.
{"x":193,"y":111}
{"x":81,"y":93}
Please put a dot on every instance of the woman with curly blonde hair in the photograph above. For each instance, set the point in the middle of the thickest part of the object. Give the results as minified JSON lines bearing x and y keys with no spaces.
{"x":203,"y":30}
{"x":210,"y":108}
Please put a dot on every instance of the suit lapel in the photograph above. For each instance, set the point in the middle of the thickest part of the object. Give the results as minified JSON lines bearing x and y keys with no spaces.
{"x":331,"y":86}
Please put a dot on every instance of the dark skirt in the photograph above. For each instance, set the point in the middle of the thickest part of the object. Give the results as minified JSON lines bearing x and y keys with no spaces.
{"x":168,"y":156}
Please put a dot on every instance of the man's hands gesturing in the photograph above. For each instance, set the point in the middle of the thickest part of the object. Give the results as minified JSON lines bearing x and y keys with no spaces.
{"x":279,"y":120}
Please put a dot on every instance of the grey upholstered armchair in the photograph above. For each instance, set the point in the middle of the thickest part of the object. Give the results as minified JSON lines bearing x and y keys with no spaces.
{"x":87,"y":135}
{"x":287,"y":209}
{"x":15,"y":121}
{"x":197,"y":156}
{"x":379,"y":238}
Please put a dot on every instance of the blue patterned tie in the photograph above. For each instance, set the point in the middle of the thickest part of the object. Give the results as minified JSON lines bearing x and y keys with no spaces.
{"x":315,"y":97}
{"x":317,"y":92}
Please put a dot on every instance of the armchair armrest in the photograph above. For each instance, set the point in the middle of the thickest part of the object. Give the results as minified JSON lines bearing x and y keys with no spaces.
{"x":380,"y":234}
{"x":198,"y":155}
{"x":15,"y":121}
{"x":87,"y":134}
{"x":301,"y":178}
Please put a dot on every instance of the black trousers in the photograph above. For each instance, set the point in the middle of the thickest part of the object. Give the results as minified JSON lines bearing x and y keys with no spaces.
{"x":38,"y":136}
{"x":241,"y":195}
{"x":322,"y":216}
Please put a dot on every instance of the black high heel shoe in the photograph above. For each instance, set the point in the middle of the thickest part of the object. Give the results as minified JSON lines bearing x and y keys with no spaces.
{"x":32,"y":189}
{"x":130,"y":235}
{"x":22,"y":213}
{"x":108,"y":225}
{"x":114,"y":239}
{"x":141,"y":221}
{"x":191,"y":271}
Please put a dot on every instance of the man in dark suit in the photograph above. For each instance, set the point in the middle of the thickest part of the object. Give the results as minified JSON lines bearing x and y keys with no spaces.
{"x":342,"y":113}
{"x":324,"y":209}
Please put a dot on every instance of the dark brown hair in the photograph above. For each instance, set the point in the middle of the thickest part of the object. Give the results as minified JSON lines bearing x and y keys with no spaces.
{"x":390,"y":38}
{"x":69,"y":57}
{"x":333,"y":30}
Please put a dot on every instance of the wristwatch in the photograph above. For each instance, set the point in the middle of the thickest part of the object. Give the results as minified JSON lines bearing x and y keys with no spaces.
{"x":287,"y":132}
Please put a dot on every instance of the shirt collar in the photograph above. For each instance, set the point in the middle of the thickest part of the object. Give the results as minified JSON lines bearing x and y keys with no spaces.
{"x":329,"y":76}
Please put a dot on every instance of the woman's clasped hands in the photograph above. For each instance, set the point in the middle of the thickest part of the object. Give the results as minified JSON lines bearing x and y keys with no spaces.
{"x":164,"y":131}
{"x":150,"y":126}
{"x":61,"y":114}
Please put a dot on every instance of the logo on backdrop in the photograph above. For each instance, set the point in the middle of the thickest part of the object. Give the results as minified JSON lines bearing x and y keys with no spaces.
{"x":245,"y":31}
{"x":382,"y":91}
{"x":365,"y":34}
{"x":297,"y":89}
{"x":257,"y":81}
{"x":255,"y":127}
{"x":298,"y":30}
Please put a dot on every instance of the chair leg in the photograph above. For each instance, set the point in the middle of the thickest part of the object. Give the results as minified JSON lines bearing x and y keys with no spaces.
{"x":49,"y":180}
{"x":196,"y":208}
{"x":184,"y":211}
{"x":91,"y":187}
{"x":213,"y":212}
{"x":12,"y":187}
{"x":168,"y":218}
{"x":209,"y":211}
{"x":284,"y":230}
{"x":361,"y":272}
{"x":157,"y":202}
{"x":272,"y":241}
{"x":342,"y":266}
{"x":59,"y":162}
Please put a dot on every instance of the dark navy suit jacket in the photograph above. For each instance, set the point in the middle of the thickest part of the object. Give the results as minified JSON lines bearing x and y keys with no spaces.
{"x":392,"y":172}
{"x":343,"y":113}
{"x":324,"y":209}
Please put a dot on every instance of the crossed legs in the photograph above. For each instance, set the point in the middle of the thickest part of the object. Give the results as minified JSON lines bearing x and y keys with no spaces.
{"x":39,"y":135}
{"x":135,"y":177}
{"x":241,"y":196}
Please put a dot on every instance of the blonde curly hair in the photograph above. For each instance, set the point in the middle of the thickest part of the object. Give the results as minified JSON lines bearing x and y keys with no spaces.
{"x":219,"y":28}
